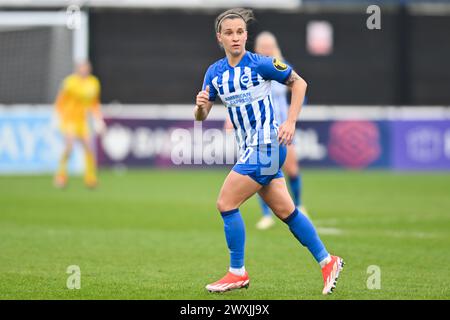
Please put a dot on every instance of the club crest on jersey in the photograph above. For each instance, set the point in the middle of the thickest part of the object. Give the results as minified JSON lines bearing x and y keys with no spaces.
{"x":280,"y":66}
{"x":245,"y":80}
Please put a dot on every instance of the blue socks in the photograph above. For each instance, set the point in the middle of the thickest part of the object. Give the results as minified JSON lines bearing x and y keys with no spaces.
{"x":295,"y":183}
{"x":305,"y":232}
{"x":235,"y":235}
{"x":299,"y":225}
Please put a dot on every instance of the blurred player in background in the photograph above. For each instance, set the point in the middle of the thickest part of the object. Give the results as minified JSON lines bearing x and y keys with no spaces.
{"x":243,"y":81}
{"x":79,"y":96}
{"x":267,"y":45}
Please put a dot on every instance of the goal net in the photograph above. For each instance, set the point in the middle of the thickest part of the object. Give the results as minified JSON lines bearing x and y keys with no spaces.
{"x":37,"y":50}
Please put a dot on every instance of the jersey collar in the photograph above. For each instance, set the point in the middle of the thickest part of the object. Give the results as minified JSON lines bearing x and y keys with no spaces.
{"x":244,"y":57}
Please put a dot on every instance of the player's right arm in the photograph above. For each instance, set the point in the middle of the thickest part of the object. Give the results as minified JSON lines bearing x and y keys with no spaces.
{"x":206,"y":97}
{"x":61,"y":98}
{"x":203,"y":105}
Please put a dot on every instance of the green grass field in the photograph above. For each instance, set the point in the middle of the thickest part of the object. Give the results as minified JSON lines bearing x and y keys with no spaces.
{"x":157,"y":235}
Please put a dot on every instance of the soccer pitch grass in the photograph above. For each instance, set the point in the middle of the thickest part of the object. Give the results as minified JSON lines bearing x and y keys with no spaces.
{"x":157,"y":235}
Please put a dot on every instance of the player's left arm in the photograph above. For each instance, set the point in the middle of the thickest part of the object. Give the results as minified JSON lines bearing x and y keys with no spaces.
{"x":99,"y":122}
{"x":274,"y":69}
{"x":298,"y":88}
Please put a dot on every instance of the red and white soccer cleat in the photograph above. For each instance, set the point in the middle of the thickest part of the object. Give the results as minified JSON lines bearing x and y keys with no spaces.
{"x":331,"y":273}
{"x":229,"y":282}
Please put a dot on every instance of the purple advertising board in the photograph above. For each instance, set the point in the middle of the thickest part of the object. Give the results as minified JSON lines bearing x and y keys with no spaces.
{"x":420,"y":145}
{"x":347,"y":144}
{"x":169,"y":143}
{"x":164,"y":143}
{"x":399,"y":145}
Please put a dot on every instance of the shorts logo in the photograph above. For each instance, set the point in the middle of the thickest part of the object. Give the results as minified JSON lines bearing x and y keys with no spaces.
{"x":280,"y":66}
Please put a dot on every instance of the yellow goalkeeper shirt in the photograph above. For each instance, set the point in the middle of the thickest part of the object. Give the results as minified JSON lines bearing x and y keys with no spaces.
{"x":77,"y":97}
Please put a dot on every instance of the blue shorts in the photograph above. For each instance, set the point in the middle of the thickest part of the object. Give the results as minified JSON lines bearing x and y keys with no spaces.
{"x":262,"y":163}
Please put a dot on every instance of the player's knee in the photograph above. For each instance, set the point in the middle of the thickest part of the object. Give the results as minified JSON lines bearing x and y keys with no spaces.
{"x":68,"y":149}
{"x":223,"y":205}
{"x":86,"y":146}
{"x":283,"y":212}
{"x":220,"y":204}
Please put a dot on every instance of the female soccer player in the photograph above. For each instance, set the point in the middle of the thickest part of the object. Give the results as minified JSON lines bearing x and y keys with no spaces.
{"x":266,"y":44}
{"x":78,"y":96}
{"x":243,"y":81}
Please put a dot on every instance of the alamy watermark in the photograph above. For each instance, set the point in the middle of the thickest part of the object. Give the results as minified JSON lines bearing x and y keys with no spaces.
{"x":73,"y":19}
{"x":212,"y":147}
{"x":374,"y":20}
{"x":374,"y":279}
{"x":74,"y":280}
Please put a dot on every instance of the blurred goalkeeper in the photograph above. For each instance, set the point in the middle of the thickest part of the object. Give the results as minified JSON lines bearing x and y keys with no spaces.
{"x":79,"y":96}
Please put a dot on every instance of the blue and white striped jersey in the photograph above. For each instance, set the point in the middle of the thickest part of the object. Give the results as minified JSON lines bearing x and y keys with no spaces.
{"x":245,"y":90}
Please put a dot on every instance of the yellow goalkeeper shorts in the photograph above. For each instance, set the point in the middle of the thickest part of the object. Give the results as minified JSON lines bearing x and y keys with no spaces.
{"x":75,"y":129}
